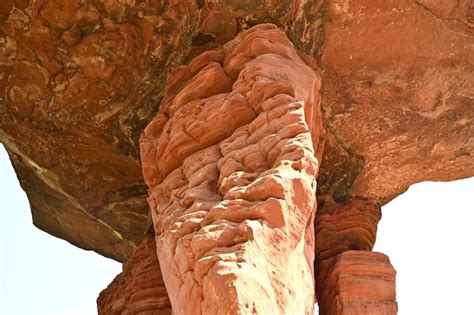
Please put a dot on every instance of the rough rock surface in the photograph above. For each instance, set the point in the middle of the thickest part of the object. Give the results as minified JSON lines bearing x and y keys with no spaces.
{"x":349,"y":278}
{"x":361,"y":282}
{"x":351,"y":225}
{"x":80,"y":79}
{"x":230,"y":164}
{"x":139,"y":289}
{"x":398,"y":92}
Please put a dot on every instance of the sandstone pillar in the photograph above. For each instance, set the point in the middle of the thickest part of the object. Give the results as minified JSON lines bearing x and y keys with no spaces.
{"x":230,"y":165}
{"x":350,"y":279}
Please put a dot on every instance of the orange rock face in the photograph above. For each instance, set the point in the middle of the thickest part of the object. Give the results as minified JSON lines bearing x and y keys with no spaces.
{"x":351,"y":225}
{"x":397,"y":93}
{"x":80,"y":80}
{"x":139,"y":289}
{"x":358,"y":282}
{"x":231,"y":167}
{"x":349,"y":278}
{"x":229,"y":154}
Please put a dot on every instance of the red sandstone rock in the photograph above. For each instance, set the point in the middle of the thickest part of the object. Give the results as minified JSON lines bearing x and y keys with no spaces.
{"x":398,"y":93}
{"x":139,"y":289}
{"x":351,"y":225}
{"x":79,"y":81}
{"x":349,"y":278}
{"x":231,"y":167}
{"x":358,"y":282}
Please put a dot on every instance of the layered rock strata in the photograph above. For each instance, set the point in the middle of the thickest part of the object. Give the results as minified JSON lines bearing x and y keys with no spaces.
{"x":139,"y":289}
{"x":230,"y":165}
{"x":350,"y":225}
{"x":349,"y":278}
{"x":361,"y":282}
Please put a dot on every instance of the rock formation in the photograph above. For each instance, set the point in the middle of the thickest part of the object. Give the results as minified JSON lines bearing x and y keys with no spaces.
{"x":139,"y":289}
{"x":349,"y":278}
{"x":397,"y":93}
{"x":357,"y":282}
{"x":81,"y":79}
{"x":349,"y":225}
{"x":230,"y":164}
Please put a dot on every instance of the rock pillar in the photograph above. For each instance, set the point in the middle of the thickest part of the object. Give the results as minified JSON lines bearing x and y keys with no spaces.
{"x":230,"y":165}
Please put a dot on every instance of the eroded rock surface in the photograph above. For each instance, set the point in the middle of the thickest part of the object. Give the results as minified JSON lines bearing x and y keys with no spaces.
{"x":398,"y":93}
{"x":358,"y":282}
{"x":79,"y":81}
{"x":231,"y":167}
{"x":351,"y":225}
{"x":349,"y":278}
{"x":139,"y":289}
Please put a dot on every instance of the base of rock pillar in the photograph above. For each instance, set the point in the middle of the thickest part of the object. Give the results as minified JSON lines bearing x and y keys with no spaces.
{"x":357,"y":282}
{"x":139,"y":289}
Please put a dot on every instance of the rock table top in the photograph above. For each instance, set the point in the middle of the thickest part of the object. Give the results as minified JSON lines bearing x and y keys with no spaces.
{"x":80,"y":80}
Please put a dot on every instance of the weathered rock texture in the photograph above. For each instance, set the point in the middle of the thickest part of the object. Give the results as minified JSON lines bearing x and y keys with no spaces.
{"x":350,"y":225}
{"x":398,"y":93}
{"x":80,"y":79}
{"x":349,"y":278}
{"x":139,"y":289}
{"x":358,"y":282}
{"x":231,"y":167}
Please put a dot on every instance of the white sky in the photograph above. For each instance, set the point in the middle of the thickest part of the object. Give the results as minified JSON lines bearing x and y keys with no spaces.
{"x":427,"y":233}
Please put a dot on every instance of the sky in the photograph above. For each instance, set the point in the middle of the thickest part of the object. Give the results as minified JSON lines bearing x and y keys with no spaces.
{"x":427,"y":233}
